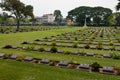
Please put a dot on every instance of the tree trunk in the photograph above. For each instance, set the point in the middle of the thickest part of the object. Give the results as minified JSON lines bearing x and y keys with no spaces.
{"x":18,"y":25}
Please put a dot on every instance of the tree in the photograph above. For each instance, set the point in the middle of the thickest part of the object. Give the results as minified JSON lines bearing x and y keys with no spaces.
{"x":17,"y":9}
{"x":4,"y":17}
{"x":58,"y":16}
{"x":117,"y":18}
{"x":118,"y":6}
{"x":81,"y":13}
{"x":112,"y":19}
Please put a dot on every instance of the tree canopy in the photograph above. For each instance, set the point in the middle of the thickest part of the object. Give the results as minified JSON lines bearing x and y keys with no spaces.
{"x":118,"y":6}
{"x":58,"y":16}
{"x":98,"y":14}
{"x":17,"y":9}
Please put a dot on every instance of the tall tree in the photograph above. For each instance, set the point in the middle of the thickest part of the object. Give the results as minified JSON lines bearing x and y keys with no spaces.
{"x":17,"y":9}
{"x":97,"y":13}
{"x":58,"y":16}
{"x":118,"y":6}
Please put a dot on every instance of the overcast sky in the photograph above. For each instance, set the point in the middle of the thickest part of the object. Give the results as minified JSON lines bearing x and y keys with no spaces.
{"x":48,"y":6}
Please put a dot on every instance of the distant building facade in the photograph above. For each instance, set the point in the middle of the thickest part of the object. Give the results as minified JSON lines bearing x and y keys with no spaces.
{"x":48,"y":18}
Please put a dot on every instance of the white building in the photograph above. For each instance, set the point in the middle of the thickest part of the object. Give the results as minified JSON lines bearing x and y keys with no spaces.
{"x":48,"y":18}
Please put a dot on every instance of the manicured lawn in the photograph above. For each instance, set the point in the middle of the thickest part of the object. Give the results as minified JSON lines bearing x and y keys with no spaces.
{"x":13,"y":70}
{"x":16,"y":39}
{"x":65,"y":57}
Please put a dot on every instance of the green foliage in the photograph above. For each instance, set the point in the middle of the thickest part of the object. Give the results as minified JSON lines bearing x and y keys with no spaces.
{"x":20,"y":58}
{"x":111,"y":19}
{"x":87,"y":46}
{"x":7,"y":46}
{"x":76,"y":38}
{"x":41,"y":49}
{"x":53,"y":49}
{"x":75,"y":45}
{"x":97,"y":13}
{"x":30,"y":48}
{"x":118,"y":6}
{"x":53,"y":43}
{"x":58,"y":16}
{"x":111,"y":43}
{"x":18,"y":9}
{"x":67,"y":52}
{"x":115,"y":55}
{"x":7,"y":55}
{"x":95,"y":66}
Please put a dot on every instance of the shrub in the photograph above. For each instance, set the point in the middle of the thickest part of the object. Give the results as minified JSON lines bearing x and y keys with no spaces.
{"x":20,"y":58}
{"x":53,"y":49}
{"x":95,"y":66}
{"x":46,"y":38}
{"x":93,"y":37}
{"x":53,"y":43}
{"x":25,"y":43}
{"x":8,"y":46}
{"x":115,"y":55}
{"x":112,"y":48}
{"x":82,"y":53}
{"x":41,"y":49}
{"x":75,"y":45}
{"x":7,"y":55}
{"x":37,"y":40}
{"x":111,"y":43}
{"x":54,"y":39}
{"x":67,"y":52}
{"x":99,"y":45}
{"x":76,"y":38}
{"x":30,"y":48}
{"x":87,"y":46}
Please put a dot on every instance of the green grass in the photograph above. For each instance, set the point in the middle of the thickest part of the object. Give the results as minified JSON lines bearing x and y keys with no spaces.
{"x":95,"y":51}
{"x":13,"y":70}
{"x":65,"y":57}
{"x":16,"y":39}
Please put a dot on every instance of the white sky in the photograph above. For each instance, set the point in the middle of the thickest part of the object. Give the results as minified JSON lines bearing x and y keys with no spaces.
{"x":48,"y":6}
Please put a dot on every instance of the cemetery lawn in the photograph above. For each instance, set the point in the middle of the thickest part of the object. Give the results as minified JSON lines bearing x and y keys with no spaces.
{"x":13,"y":70}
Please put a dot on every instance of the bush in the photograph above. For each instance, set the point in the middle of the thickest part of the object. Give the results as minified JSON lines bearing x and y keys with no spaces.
{"x":99,"y":47}
{"x":76,"y":38}
{"x":75,"y":45}
{"x":95,"y":66}
{"x":41,"y":49}
{"x":111,"y":43}
{"x":8,"y":46}
{"x":113,"y":48}
{"x":20,"y":58}
{"x":54,"y":39}
{"x":30,"y":48}
{"x":7,"y":55}
{"x":115,"y":55}
{"x":53,"y":49}
{"x":37,"y":40}
{"x":82,"y":53}
{"x":67,"y":52}
{"x":25,"y":43}
{"x":45,"y":37}
{"x":53,"y":43}
{"x":87,"y":46}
